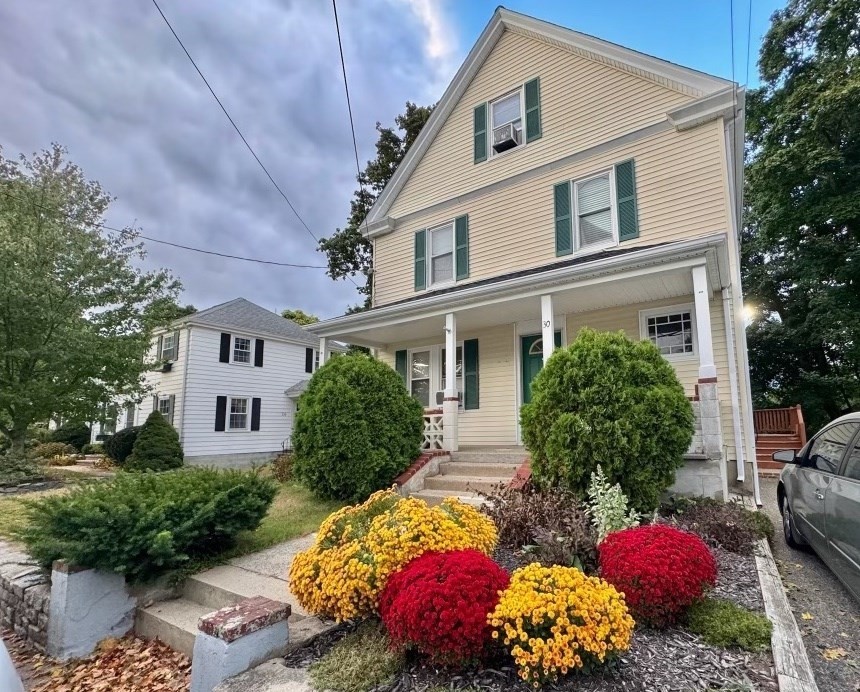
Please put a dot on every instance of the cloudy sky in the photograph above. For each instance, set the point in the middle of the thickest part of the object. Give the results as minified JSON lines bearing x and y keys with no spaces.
{"x":109,"y":81}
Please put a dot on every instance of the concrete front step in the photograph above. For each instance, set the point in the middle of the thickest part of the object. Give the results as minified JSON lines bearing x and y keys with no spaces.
{"x":478,"y":469}
{"x":172,"y":622}
{"x":226,"y":585}
{"x":455,"y":485}
{"x":435,"y":497}
{"x":503,"y":455}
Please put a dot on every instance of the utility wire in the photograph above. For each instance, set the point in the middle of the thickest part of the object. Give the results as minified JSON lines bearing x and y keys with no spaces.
{"x":236,"y":127}
{"x":105,"y":227}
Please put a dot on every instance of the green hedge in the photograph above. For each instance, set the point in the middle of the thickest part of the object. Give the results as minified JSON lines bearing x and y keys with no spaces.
{"x":608,"y":400}
{"x":142,"y":525}
{"x":356,"y":429}
{"x":74,"y":434}
{"x":119,"y":445}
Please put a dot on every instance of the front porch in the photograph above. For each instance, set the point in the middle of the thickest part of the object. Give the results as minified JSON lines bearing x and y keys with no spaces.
{"x":495,"y":336}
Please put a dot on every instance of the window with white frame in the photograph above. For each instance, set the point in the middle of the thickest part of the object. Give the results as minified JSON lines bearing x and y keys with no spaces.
{"x":238,"y":418}
{"x":507,"y":112}
{"x":168,"y":346}
{"x":241,"y":349}
{"x":671,"y":330}
{"x":316,"y":360}
{"x":129,"y":416}
{"x":419,"y":376}
{"x":164,"y":406}
{"x":458,"y":370}
{"x":441,"y":249}
{"x":595,"y":217}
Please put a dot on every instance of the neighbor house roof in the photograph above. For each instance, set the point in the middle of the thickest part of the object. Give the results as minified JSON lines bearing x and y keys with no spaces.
{"x":243,"y":315}
{"x":297,"y":389}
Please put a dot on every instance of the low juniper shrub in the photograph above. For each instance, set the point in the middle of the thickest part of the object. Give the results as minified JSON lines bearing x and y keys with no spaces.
{"x":723,"y":623}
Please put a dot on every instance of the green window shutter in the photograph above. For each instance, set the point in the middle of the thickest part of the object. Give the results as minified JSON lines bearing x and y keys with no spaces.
{"x":533,"y":125}
{"x":400,"y":364}
{"x":421,"y":260}
{"x":461,"y":243}
{"x":563,"y":220}
{"x":625,"y":190}
{"x":471,"y":393}
{"x":480,"y":143}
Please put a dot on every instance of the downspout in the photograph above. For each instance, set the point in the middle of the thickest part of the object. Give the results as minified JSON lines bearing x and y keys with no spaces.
{"x":733,"y":386}
{"x":184,"y":384}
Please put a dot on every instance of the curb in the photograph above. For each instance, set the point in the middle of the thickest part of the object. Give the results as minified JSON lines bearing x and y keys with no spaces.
{"x":793,"y":672}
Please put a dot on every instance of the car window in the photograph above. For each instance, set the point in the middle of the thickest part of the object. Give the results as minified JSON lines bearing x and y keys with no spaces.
{"x":827,"y":449}
{"x":852,"y":466}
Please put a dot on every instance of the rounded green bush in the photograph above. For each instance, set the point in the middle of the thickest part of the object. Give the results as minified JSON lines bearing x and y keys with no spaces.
{"x":608,"y":400}
{"x":119,"y":445}
{"x":75,"y":434}
{"x":356,"y":429}
{"x":157,"y":446}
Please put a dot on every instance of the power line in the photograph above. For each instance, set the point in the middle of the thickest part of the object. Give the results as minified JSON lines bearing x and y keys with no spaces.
{"x":184,"y":247}
{"x":236,"y":127}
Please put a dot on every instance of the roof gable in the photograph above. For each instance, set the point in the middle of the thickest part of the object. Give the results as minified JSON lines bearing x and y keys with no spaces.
{"x":682,"y":79}
{"x":243,"y":315}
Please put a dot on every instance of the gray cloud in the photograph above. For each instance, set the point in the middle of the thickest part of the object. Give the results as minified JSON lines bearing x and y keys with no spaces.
{"x":109,"y":81}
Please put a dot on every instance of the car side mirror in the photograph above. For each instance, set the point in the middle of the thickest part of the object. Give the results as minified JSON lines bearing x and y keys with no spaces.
{"x":786,"y":456}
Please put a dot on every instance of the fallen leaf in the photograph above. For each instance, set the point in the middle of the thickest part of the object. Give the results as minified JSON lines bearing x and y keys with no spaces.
{"x":806,"y":616}
{"x":834,"y":654}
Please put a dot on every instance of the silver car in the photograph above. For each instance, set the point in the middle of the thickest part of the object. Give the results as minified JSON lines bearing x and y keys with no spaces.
{"x":819,"y":497}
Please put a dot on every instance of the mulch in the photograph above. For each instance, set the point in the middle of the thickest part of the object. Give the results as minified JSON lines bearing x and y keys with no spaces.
{"x":671,"y":660}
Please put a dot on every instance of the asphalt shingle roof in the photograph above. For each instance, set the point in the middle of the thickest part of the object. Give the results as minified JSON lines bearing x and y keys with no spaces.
{"x":246,"y":316}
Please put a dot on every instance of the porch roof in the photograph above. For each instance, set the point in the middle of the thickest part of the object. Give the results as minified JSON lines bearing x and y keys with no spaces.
{"x":591,"y":282}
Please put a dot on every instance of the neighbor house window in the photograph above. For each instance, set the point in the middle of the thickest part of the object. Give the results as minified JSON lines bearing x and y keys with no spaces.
{"x":595,"y":222}
{"x":164,"y":406}
{"x":168,"y":346}
{"x":670,"y":330}
{"x":459,"y":372}
{"x":442,"y":254}
{"x":238,"y":419}
{"x":129,"y":416}
{"x":241,"y":349}
{"x":419,"y":376}
{"x":506,"y":113}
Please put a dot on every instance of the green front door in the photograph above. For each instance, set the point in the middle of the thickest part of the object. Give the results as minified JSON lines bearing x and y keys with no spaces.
{"x":531,"y":350}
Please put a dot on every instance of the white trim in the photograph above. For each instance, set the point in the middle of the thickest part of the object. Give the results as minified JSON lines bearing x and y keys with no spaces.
{"x":428,"y":252}
{"x":733,"y":386}
{"x":184,"y":389}
{"x":251,"y":346}
{"x":668,"y":74}
{"x":435,"y":377}
{"x":667,"y":310}
{"x":702,"y":297}
{"x":249,"y":404}
{"x":613,"y":212}
{"x":160,"y":398}
{"x":491,"y":153}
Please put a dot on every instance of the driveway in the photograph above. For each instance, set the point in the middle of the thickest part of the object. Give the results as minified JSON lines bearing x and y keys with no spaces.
{"x":828,"y":617}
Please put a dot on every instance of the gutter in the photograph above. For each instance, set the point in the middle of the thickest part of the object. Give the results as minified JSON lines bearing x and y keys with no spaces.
{"x":534,"y":282}
{"x":733,"y":386}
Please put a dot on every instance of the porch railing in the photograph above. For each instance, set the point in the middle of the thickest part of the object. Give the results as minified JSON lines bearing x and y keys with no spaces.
{"x":780,"y":421}
{"x":433,"y":434}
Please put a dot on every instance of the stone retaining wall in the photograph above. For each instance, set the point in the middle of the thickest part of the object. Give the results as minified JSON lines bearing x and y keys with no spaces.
{"x":25,"y":596}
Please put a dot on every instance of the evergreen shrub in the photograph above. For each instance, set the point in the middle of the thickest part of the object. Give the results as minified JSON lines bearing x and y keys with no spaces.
{"x":157,"y":446}
{"x":119,"y":445}
{"x":74,"y":434}
{"x":356,"y":429}
{"x":610,"y":401}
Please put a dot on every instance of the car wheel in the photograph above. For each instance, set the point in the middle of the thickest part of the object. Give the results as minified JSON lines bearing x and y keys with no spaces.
{"x":792,"y":537}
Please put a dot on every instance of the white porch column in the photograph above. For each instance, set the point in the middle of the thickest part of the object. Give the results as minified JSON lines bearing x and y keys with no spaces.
{"x":547,"y":327}
{"x":451,"y":400}
{"x":323,"y":351}
{"x":702,"y":294}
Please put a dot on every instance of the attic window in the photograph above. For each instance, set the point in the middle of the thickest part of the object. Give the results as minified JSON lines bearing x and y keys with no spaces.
{"x":506,"y":118}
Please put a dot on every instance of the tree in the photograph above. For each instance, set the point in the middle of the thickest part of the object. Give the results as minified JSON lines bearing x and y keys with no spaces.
{"x":76,"y":314}
{"x":801,"y":240}
{"x":157,"y":446}
{"x":299,"y":316}
{"x":349,"y":251}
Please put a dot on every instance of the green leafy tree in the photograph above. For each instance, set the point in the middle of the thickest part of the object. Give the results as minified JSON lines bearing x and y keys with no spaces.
{"x":349,"y":251}
{"x":299,"y":316}
{"x":608,"y":402}
{"x":76,"y":313}
{"x":356,"y":429}
{"x":801,"y":240}
{"x":157,"y":446}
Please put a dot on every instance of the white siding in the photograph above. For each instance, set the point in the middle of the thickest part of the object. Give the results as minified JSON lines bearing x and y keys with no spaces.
{"x":164,"y":383}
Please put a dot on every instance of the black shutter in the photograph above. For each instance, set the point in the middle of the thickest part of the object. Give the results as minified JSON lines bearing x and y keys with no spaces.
{"x":154,"y":402}
{"x":172,"y":406}
{"x":471,"y":395}
{"x":176,"y":345}
{"x":255,"y":413}
{"x":160,"y":347}
{"x":400,"y":363}
{"x":309,"y":360}
{"x":258,"y":353}
{"x":224,"y":355}
{"x":221,"y":413}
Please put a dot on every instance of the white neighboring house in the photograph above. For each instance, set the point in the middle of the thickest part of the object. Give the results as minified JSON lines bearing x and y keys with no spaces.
{"x":229,"y":381}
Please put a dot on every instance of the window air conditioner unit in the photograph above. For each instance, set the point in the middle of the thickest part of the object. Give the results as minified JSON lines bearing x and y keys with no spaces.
{"x":506,"y":137}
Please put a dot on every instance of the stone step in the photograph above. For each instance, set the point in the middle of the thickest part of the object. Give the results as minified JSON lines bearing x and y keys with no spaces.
{"x":172,"y":622}
{"x":486,"y":469}
{"x":435,"y":497}
{"x":226,"y":585}
{"x":504,"y":455}
{"x":455,"y":485}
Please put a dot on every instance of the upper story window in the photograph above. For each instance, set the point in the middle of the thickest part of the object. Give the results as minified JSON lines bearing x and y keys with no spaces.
{"x":506,"y":117}
{"x":168,"y":347}
{"x":241,"y":349}
{"x":670,"y":329}
{"x":595,"y":220}
{"x":442,"y":254}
